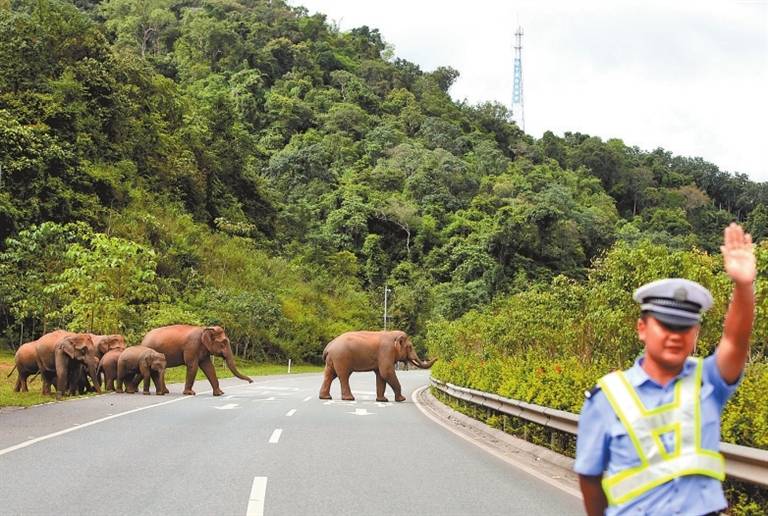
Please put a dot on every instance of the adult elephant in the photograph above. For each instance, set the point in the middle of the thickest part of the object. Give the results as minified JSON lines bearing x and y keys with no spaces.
{"x":55,"y":358}
{"x":26,"y":358}
{"x":376,"y":351}
{"x":193,"y":347}
{"x":138,"y":362}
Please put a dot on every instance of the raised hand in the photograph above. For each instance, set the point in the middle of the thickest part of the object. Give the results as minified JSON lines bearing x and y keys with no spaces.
{"x":738,"y":256}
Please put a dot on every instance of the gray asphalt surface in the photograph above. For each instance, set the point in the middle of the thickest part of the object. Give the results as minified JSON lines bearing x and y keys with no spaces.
{"x":199,"y":456}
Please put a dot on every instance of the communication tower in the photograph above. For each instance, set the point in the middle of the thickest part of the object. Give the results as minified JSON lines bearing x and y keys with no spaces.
{"x":518,"y":108}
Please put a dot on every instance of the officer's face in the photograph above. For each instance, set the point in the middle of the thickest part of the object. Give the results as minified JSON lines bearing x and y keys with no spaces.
{"x":665,"y":346}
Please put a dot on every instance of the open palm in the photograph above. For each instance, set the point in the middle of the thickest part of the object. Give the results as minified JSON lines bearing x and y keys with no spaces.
{"x":738,"y":256}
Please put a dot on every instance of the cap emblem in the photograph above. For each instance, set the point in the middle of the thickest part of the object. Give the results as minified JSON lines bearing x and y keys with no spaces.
{"x":680,"y":294}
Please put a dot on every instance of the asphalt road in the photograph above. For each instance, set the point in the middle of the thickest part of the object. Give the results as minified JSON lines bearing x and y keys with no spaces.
{"x":271,"y":447}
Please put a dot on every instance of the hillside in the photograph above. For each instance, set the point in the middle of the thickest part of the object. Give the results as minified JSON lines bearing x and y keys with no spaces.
{"x":244,"y":163}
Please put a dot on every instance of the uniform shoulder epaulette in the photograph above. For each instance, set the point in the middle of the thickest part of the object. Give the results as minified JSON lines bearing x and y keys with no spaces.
{"x":591,"y":392}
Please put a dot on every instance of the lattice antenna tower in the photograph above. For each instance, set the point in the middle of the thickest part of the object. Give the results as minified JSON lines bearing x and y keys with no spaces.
{"x":518,"y":107}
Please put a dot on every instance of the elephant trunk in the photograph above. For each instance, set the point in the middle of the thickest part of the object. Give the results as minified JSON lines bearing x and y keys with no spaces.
{"x":93,"y":366}
{"x":230,"y":359}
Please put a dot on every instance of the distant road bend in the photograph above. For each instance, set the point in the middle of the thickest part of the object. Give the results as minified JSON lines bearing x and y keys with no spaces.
{"x":271,"y":448}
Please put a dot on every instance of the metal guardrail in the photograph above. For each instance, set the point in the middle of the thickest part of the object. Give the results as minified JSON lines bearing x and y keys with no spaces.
{"x":741,"y":462}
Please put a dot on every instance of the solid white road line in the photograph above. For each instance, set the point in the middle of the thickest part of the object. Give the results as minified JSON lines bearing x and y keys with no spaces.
{"x":256,"y":499}
{"x":97,"y":421}
{"x":291,"y":412}
{"x":84,"y":425}
{"x":509,"y":460}
{"x":307,"y":398}
{"x":275,"y":436}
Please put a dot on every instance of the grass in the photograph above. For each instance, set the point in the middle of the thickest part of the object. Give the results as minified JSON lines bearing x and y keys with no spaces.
{"x":8,"y":398}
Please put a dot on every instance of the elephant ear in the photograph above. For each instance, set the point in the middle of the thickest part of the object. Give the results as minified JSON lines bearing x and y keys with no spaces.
{"x":104,"y":345}
{"x":116,"y":342}
{"x":207,"y":337}
{"x":399,"y":343}
{"x":145,"y":364}
{"x":67,"y":347}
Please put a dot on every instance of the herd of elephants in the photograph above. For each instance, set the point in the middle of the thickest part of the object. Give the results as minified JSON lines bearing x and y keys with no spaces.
{"x":68,"y":360}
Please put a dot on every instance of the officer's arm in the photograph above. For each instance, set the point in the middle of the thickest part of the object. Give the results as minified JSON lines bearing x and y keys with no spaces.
{"x":594,"y":498}
{"x":739,"y":263}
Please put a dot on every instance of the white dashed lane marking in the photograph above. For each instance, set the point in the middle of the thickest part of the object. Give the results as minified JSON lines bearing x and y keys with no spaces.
{"x":291,"y":412}
{"x":275,"y":436}
{"x":256,"y":499}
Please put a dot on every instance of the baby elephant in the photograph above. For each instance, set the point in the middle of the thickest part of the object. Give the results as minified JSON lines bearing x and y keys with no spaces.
{"x":138,"y":362}
{"x":108,"y":367}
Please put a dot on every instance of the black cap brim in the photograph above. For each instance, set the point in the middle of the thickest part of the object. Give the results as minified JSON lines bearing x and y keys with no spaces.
{"x":673,"y":322}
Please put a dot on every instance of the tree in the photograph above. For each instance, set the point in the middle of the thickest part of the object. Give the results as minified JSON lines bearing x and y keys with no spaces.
{"x":106,"y":281}
{"x":141,"y":24}
{"x":403,"y":214}
{"x":757,"y":223}
{"x":32,"y":261}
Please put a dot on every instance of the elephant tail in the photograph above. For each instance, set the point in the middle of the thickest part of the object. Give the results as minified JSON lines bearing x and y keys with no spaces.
{"x":325,"y":354}
{"x":11,"y":371}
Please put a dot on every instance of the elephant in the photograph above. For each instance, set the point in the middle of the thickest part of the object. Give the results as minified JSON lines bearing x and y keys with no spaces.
{"x":108,"y":367}
{"x":26,"y":365}
{"x":56,"y":357}
{"x":77,"y":379}
{"x":26,"y":358}
{"x":106,"y":343}
{"x":375,"y":351}
{"x":193,"y":346}
{"x":138,"y":362}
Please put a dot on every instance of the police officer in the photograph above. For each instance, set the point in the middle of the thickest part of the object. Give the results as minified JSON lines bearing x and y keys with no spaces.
{"x":649,"y":436}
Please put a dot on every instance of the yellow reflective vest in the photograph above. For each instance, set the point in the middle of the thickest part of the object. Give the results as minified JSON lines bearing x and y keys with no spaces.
{"x":645,"y":427}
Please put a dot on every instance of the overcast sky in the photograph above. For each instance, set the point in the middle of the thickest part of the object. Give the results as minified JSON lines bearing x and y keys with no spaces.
{"x":688,"y":76}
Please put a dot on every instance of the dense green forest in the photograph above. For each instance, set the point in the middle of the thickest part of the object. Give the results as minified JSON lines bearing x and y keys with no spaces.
{"x":241,"y":162}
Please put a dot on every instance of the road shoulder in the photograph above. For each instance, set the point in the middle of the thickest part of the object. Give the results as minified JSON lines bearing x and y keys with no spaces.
{"x":551,"y":467}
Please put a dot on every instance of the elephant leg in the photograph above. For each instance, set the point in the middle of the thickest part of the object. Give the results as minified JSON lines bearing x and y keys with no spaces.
{"x":62,"y":385}
{"x":391,"y":379}
{"x":155,"y":375}
{"x":328,"y":375}
{"x":120,"y":378}
{"x":346,"y":391}
{"x":191,"y":373}
{"x":210,"y":372}
{"x":132,"y":383}
{"x":46,"y":377}
{"x":381,"y":385}
{"x":19,"y":382}
{"x":145,"y":388}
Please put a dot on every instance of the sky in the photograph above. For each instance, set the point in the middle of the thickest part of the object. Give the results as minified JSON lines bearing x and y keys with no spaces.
{"x":688,"y":76}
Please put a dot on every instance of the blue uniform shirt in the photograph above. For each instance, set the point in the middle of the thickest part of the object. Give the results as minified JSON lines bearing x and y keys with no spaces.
{"x":603,"y":446}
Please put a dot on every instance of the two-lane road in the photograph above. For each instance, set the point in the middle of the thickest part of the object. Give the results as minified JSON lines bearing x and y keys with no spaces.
{"x":270,"y":447}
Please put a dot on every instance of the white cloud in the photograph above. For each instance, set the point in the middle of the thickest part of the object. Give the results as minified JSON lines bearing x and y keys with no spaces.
{"x":689,"y":76}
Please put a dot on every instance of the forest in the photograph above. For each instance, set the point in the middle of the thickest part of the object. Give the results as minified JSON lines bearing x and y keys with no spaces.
{"x":246,"y":164}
